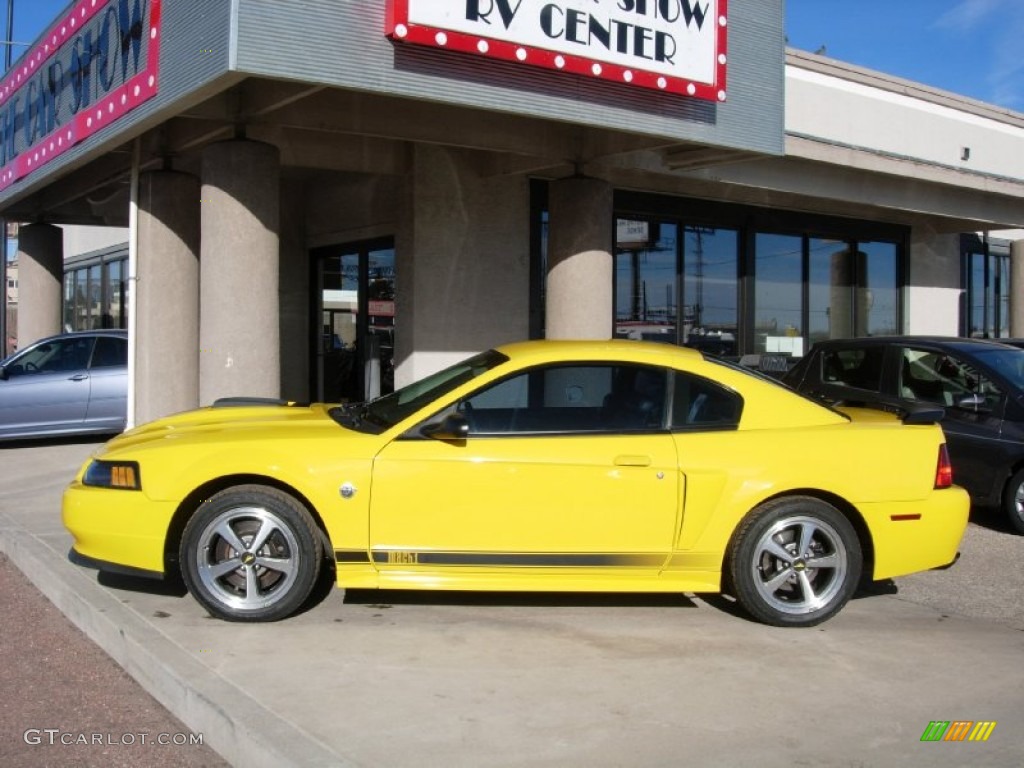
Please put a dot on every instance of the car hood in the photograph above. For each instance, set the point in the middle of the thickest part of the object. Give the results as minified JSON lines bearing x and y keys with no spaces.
{"x":248,"y":422}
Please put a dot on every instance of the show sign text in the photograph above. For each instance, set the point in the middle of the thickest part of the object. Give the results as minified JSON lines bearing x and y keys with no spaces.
{"x":668,"y":45}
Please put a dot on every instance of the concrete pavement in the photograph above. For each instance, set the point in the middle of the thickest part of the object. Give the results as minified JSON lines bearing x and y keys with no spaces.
{"x":403,"y":679}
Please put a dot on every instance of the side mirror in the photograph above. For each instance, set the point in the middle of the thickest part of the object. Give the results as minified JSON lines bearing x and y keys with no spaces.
{"x":974,"y":403}
{"x":3,"y":373}
{"x":454,"y":426}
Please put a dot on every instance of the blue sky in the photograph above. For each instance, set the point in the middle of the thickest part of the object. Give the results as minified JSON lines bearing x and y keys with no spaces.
{"x":970,"y":47}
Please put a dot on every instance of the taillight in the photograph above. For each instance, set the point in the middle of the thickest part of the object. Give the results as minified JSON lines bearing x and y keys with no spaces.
{"x":944,"y":471}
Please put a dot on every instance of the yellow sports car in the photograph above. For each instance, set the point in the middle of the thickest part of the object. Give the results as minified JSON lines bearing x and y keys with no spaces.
{"x":597,"y":466}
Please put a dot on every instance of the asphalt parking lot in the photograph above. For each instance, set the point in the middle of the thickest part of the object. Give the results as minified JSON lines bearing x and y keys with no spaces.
{"x":398,"y":679}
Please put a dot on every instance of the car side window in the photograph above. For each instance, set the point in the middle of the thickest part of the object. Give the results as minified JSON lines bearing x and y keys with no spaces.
{"x":701,"y":404}
{"x":860,"y":368}
{"x":938,"y":377}
{"x":58,"y":356}
{"x":110,"y":352}
{"x":570,"y":399}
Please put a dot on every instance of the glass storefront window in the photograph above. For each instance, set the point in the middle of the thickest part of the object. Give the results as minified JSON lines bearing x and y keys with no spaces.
{"x":831,"y":281}
{"x":988,"y":295}
{"x":778,"y":294}
{"x":69,"y":301}
{"x":81,"y":313}
{"x":711,"y":289}
{"x":115,"y":295}
{"x":645,"y":280}
{"x":95,"y":296}
{"x":94,"y":307}
{"x":878,"y":292}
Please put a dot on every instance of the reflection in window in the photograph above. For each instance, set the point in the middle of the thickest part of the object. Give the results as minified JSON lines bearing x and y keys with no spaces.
{"x":711,"y":306}
{"x":831,"y":278}
{"x":778,"y":294}
{"x":878,"y":292}
{"x":645,"y":280}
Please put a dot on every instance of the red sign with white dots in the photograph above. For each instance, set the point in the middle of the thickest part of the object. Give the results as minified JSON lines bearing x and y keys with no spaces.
{"x":677,"y":46}
{"x":94,"y":66}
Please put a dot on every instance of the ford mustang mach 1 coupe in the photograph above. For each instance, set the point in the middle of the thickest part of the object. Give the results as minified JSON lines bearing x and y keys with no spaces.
{"x":622,"y":465}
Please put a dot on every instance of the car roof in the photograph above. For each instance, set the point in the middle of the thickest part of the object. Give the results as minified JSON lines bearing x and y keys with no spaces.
{"x":118,"y":332}
{"x":958,"y":343}
{"x":628,"y":350}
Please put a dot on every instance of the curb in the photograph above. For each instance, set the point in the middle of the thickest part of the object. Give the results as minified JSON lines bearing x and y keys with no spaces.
{"x":236,"y":726}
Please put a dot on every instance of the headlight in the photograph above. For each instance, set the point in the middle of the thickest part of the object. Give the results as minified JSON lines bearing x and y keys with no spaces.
{"x":113,"y":474}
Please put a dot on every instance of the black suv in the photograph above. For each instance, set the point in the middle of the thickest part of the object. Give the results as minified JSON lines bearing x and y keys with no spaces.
{"x":979,"y":384}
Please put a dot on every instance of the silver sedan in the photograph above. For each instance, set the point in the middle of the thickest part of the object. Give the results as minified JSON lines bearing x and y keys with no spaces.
{"x":75,"y":383}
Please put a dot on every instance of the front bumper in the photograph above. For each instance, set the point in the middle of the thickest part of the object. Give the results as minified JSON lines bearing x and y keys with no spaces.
{"x":117,"y":527}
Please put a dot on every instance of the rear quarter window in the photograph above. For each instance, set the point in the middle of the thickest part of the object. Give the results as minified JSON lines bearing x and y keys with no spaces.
{"x":859,"y":368}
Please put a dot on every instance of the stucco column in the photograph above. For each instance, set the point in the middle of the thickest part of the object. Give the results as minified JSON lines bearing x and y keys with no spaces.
{"x":239,"y":327}
{"x":167,"y":295}
{"x":40,"y":281}
{"x":579,"y":280}
{"x":1017,"y":289}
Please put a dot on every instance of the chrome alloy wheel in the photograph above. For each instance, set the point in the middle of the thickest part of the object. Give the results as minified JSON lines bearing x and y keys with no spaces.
{"x":247,"y":558}
{"x":800,"y":565}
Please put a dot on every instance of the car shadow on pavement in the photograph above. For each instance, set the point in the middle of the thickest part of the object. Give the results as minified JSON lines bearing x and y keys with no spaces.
{"x":992,"y":518}
{"x":171,"y":586}
{"x":42,"y":442}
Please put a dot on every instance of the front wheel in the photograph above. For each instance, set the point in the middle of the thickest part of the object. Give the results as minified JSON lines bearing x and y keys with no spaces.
{"x":1013,"y":501}
{"x":251,"y":553}
{"x":795,"y":562}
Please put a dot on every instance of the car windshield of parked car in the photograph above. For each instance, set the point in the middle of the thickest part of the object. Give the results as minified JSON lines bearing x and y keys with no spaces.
{"x":378,"y":415}
{"x":1009,"y":363}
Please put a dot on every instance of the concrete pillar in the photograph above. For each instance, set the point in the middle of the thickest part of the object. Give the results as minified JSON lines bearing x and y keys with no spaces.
{"x":579,"y":281}
{"x":1017,"y":288}
{"x":40,"y":281}
{"x":167,"y":295}
{"x":932,"y":296}
{"x":462,"y":252}
{"x":239,"y":330}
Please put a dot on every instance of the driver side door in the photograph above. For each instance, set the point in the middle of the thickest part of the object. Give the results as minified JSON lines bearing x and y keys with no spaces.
{"x":565,"y":467}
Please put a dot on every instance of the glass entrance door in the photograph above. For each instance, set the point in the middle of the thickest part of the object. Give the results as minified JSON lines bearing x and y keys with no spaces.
{"x":355,"y":321}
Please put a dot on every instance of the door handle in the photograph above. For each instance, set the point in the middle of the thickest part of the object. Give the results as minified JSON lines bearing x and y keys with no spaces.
{"x":79,"y":377}
{"x":632,"y":461}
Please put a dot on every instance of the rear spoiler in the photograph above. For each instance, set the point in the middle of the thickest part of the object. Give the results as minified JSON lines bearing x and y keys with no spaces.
{"x":923,"y":413}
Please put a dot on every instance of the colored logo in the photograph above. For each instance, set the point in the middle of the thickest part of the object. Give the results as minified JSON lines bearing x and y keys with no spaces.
{"x":958,"y":730}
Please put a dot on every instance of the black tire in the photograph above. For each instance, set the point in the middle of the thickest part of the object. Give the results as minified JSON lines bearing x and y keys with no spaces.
{"x":267,"y":583}
{"x":1013,"y":501}
{"x":778,"y":587}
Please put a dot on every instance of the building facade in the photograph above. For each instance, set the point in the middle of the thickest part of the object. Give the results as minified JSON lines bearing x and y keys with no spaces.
{"x":327,"y":199}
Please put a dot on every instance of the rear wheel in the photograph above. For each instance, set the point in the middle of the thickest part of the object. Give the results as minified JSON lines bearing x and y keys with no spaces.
{"x":1013,"y":501}
{"x":251,"y":553}
{"x":795,"y":562}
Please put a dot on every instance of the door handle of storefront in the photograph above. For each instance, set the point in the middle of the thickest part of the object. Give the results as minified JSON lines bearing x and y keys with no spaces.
{"x":632,"y":461}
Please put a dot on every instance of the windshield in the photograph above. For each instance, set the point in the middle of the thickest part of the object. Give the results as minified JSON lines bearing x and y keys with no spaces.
{"x":384,"y":412}
{"x":1008,"y":363}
